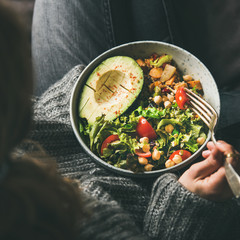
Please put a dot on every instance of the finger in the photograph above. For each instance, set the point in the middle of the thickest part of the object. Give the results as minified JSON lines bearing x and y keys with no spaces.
{"x":210,"y":145}
{"x":208,"y":166}
{"x":206,"y":153}
{"x":231,"y":155}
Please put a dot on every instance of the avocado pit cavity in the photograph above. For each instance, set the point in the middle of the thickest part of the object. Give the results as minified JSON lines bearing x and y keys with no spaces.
{"x":109,"y":86}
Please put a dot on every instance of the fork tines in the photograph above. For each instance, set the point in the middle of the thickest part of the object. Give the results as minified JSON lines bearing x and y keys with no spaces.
{"x":203,"y":109}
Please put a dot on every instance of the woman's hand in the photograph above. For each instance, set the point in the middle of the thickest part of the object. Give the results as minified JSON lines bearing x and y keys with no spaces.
{"x":207,"y":178}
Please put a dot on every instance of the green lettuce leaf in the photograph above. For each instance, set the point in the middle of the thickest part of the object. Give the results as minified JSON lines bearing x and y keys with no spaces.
{"x":191,"y":145}
{"x":195,"y":130}
{"x":166,"y":121}
{"x":151,"y":112}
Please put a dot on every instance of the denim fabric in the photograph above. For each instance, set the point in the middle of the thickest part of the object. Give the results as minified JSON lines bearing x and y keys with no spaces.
{"x":135,"y":20}
{"x":67,"y":33}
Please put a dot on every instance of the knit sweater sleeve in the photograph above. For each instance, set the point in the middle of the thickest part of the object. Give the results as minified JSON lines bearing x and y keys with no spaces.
{"x":123,"y":206}
{"x":175,"y":213}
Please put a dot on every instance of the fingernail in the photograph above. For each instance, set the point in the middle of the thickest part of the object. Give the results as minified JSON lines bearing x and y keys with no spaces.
{"x":206,"y":152}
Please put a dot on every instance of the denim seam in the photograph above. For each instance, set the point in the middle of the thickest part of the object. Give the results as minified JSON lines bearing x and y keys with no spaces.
{"x":168,"y":21}
{"x":108,"y":22}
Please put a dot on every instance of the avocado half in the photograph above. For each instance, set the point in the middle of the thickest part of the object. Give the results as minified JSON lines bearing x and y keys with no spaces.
{"x":111,"y":88}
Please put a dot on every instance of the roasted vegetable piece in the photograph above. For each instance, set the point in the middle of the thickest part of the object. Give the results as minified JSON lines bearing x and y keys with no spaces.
{"x":156,"y":72}
{"x":168,"y":72}
{"x":195,"y":84}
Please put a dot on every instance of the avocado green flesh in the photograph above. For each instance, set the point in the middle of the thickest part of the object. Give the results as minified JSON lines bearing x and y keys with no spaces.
{"x":111,"y":88}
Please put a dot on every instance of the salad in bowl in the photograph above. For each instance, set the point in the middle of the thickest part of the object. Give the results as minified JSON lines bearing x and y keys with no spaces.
{"x":132,"y":114}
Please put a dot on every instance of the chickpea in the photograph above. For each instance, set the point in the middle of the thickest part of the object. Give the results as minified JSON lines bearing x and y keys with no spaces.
{"x":157,"y":99}
{"x":170,"y":97}
{"x":187,"y":78}
{"x":142,"y":160}
{"x":169,"y":128}
{"x":148,"y":167}
{"x":146,"y":148}
{"x":201,"y":140}
{"x":167,"y":104}
{"x":156,"y":155}
{"x":177,"y":159}
{"x":169,"y":163}
{"x":144,"y":140}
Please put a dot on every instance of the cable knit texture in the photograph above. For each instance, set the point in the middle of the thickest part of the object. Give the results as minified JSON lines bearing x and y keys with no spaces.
{"x":122,"y":207}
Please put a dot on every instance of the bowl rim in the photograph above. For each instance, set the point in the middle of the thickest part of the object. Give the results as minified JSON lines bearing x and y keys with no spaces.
{"x":124,"y":172}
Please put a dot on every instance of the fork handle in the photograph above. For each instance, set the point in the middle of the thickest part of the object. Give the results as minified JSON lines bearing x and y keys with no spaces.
{"x":233,"y":179}
{"x":213,"y":138}
{"x":231,"y":175}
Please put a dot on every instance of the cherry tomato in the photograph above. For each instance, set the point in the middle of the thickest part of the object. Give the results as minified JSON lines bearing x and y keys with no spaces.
{"x":144,"y":129}
{"x":183,"y":153}
{"x":108,"y":140}
{"x":140,"y":153}
{"x":181,"y":98}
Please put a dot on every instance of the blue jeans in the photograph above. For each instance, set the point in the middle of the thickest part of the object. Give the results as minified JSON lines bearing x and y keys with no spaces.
{"x":64,"y":35}
{"x":67,"y":33}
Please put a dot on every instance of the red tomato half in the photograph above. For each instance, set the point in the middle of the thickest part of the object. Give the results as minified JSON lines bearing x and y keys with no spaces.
{"x":181,"y":98}
{"x":108,"y":140}
{"x":143,"y":154}
{"x":144,"y":129}
{"x":183,"y":153}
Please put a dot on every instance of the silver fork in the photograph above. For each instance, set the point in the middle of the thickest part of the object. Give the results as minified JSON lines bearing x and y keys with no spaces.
{"x":209,"y":116}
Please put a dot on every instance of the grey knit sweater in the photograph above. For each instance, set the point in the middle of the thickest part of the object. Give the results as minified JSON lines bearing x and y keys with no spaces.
{"x":126,"y":208}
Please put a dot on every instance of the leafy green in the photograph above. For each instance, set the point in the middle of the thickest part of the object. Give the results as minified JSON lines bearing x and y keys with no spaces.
{"x":164,"y":122}
{"x":186,"y":137}
{"x":195,"y":130}
{"x":101,"y":129}
{"x":127,"y":124}
{"x":163,"y":138}
{"x":191,"y":145}
{"x":151,"y":112}
{"x":161,"y":60}
{"x":132,"y":143}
